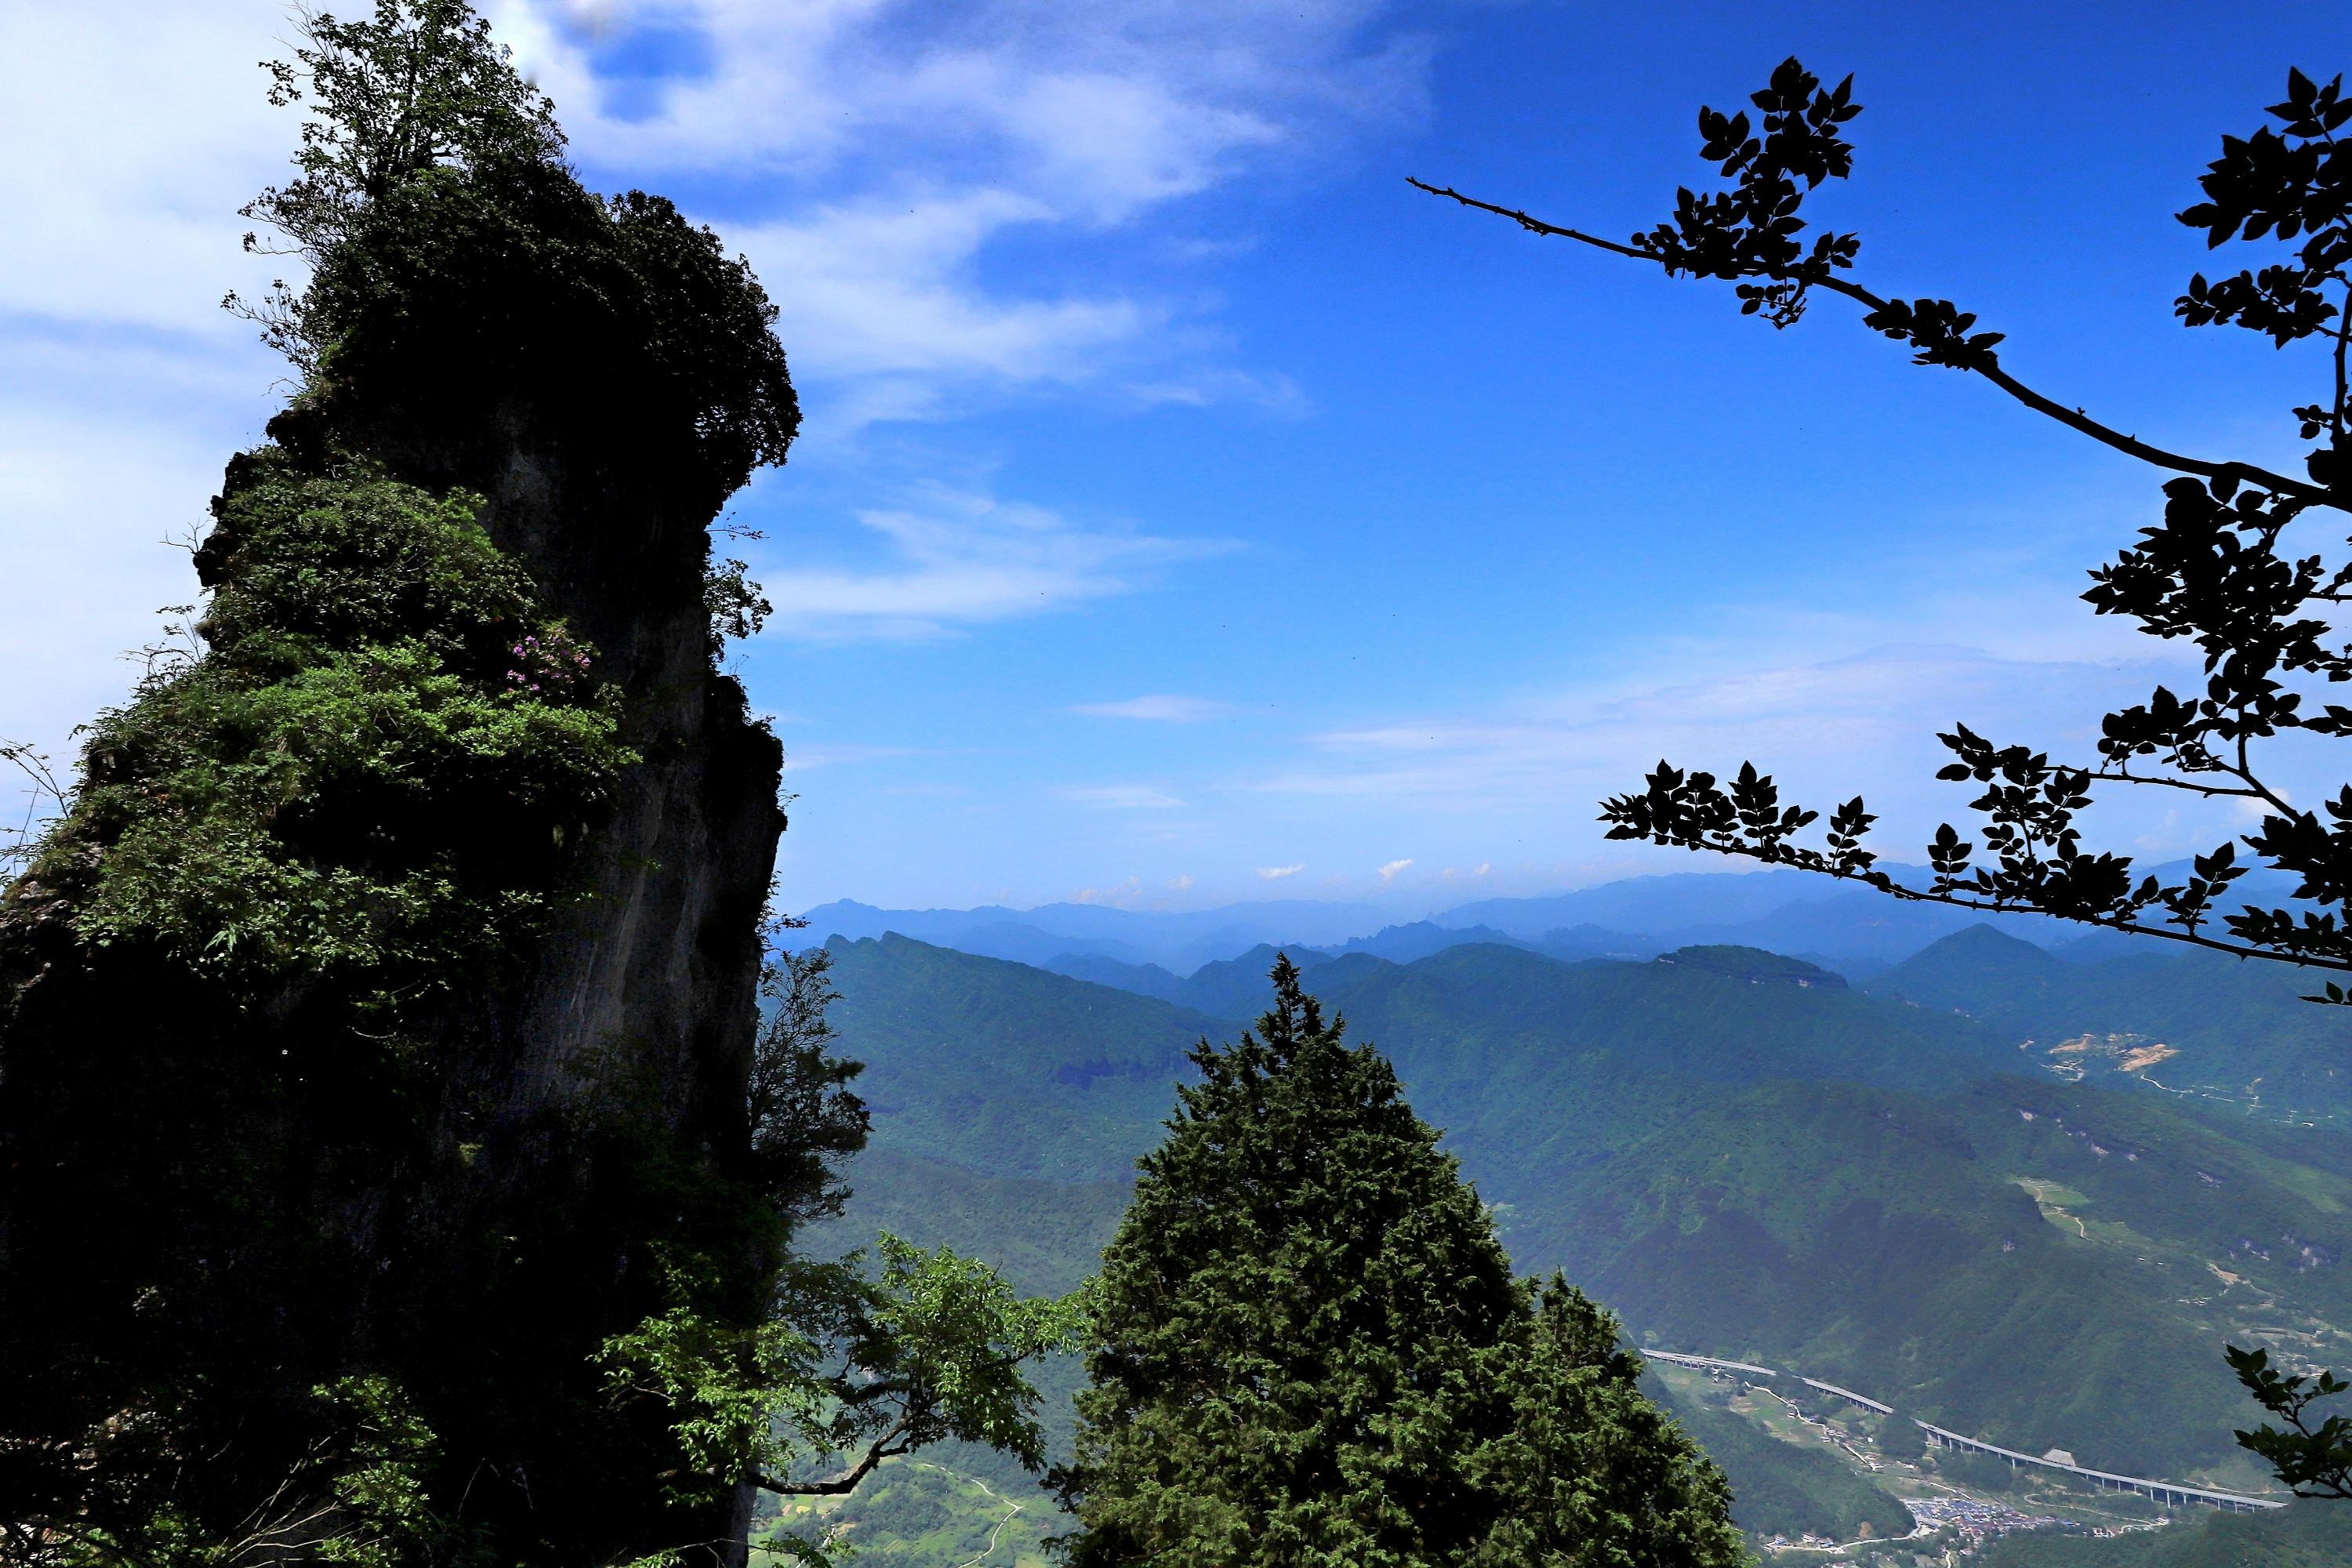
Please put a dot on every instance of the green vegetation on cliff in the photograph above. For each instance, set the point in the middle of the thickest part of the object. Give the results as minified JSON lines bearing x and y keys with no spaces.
{"x":371,"y":774}
{"x":392,"y":1169}
{"x":2238,"y":1034}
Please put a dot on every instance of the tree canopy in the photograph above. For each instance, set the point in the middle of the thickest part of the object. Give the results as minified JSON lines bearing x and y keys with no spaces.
{"x":1310,"y":1350}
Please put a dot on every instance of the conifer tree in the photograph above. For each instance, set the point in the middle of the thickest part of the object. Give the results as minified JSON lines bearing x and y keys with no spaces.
{"x":1312,"y":1350}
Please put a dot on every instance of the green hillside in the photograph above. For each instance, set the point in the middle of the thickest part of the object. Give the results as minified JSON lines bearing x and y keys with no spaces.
{"x":1892,"y":1244}
{"x":2230,"y":1031}
{"x":1044,"y":1236}
{"x":1235,"y":987}
{"x":1144,"y":979}
{"x":1004,"y":1069}
{"x":2306,"y":1535}
{"x":1754,"y":965}
{"x":1817,"y":1178}
{"x":1777,"y":1488}
{"x":1500,"y":1004}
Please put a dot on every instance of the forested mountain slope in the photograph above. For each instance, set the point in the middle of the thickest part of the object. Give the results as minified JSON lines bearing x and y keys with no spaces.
{"x":2230,"y":1031}
{"x":1003,"y":1069}
{"x":1882,"y":1195}
{"x":2316,"y":1534}
{"x":1477,"y":1010}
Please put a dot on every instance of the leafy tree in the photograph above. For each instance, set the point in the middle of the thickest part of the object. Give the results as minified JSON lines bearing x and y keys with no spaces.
{"x":805,"y":1119}
{"x":2228,"y":566}
{"x":2310,"y":1454}
{"x":418,"y":86}
{"x":872,"y":1370}
{"x":839,"y":1365}
{"x":1899,"y":1437}
{"x":1310,"y":1350}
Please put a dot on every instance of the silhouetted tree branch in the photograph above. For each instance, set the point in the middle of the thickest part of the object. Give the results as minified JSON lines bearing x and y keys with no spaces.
{"x":1985,"y":365}
{"x":2214,"y":569}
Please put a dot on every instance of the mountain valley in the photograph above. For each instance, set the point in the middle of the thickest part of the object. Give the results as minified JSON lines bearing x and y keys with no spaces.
{"x":1894,"y":1187}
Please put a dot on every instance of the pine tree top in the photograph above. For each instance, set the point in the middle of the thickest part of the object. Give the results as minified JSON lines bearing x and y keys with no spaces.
{"x":1312,"y":1350}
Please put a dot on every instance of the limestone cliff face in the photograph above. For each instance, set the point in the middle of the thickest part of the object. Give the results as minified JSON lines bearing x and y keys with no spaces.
{"x":216,"y":1197}
{"x":659,"y":960}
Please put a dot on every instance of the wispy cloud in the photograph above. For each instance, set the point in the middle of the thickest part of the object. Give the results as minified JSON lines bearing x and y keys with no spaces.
{"x":875,"y":292}
{"x":890,"y":144}
{"x":1389,"y":872}
{"x":874,"y":158}
{"x":1165,"y":708}
{"x":958,"y":559}
{"x":1864,"y":723}
{"x":1111,"y":107}
{"x":1276,"y":873}
{"x":1120,"y":797}
{"x":137,"y":132}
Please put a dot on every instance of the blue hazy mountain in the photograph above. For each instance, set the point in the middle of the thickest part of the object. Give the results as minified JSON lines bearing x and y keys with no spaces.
{"x":1403,"y":943}
{"x":1229,"y":988}
{"x":1642,"y":903}
{"x":1853,"y":932}
{"x":1179,"y":940}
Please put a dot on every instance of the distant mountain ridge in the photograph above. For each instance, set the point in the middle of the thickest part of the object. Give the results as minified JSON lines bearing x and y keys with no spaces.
{"x":1755,"y":965}
{"x":1180,"y":940}
{"x":1852,"y":931}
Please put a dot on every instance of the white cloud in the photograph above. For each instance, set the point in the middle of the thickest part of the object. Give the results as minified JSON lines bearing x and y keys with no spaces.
{"x":1389,"y":872}
{"x":1273,"y":392}
{"x":874,"y":291}
{"x":135,"y":132}
{"x":87,"y":508}
{"x":1122,"y":891}
{"x":868,"y":154}
{"x":1120,"y":797}
{"x":1813,"y":717}
{"x":1866,"y":724}
{"x":1111,"y":107}
{"x":877,"y":148}
{"x":1164,"y":708}
{"x":1276,"y":873}
{"x":960,"y":558}
{"x":1179,"y":884}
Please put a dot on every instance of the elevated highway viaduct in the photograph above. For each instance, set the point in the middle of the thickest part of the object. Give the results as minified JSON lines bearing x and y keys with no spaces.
{"x":2172,"y":1494}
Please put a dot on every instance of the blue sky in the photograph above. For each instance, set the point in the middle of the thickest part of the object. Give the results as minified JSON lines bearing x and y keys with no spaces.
{"x":1188,"y":509}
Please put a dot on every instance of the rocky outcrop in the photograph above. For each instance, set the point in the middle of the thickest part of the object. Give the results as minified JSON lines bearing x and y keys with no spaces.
{"x":219,"y":1192}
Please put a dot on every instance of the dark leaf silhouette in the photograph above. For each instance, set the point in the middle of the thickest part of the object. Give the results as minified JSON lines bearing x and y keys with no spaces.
{"x":2218,"y":568}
